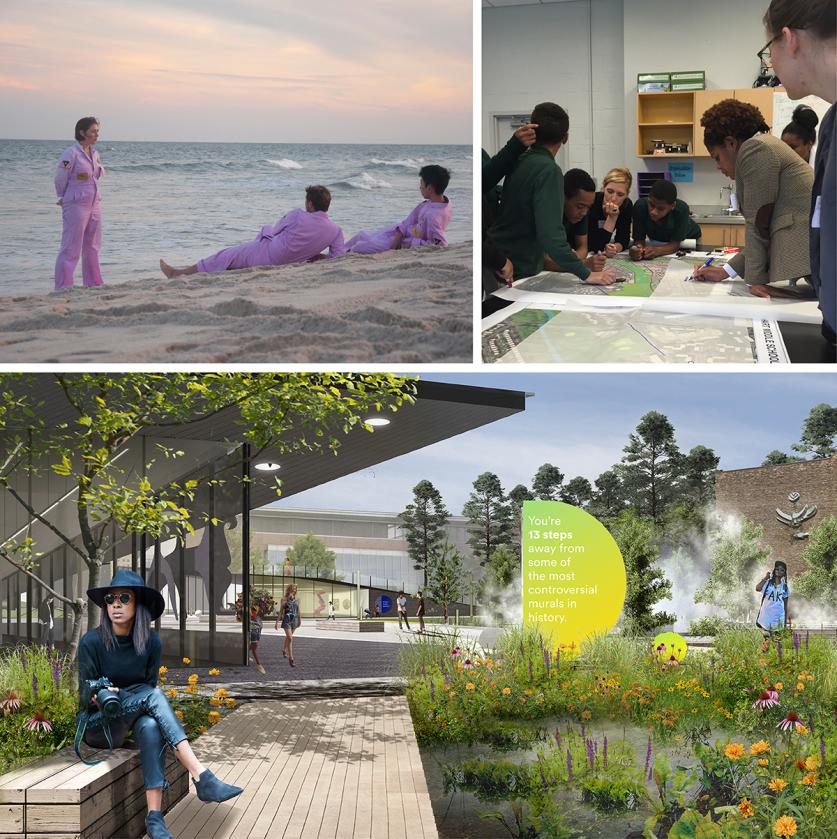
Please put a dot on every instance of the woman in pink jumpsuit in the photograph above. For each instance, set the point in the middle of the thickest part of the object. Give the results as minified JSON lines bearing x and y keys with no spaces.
{"x":77,"y":187}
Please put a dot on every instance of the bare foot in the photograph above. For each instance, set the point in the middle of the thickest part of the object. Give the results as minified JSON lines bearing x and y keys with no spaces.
{"x":167,"y":269}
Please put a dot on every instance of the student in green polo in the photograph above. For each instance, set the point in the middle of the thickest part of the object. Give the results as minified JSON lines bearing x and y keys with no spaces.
{"x":530,"y":221}
{"x":663,"y":219}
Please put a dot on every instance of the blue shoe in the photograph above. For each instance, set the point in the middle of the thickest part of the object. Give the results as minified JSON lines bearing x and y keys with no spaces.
{"x":210,"y":788}
{"x":155,"y":827}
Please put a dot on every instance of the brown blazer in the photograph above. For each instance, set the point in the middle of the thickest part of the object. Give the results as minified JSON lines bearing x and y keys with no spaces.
{"x":773,"y":184}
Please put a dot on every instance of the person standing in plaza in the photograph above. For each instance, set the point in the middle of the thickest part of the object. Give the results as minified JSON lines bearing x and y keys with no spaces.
{"x":289,"y":620}
{"x":77,"y":188}
{"x":402,"y":610}
{"x":331,"y":611}
{"x":46,"y":617}
{"x":773,"y":610}
{"x":420,"y":611}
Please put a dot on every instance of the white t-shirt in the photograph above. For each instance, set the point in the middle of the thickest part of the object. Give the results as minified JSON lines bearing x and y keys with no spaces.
{"x":773,"y":605}
{"x":402,"y":603}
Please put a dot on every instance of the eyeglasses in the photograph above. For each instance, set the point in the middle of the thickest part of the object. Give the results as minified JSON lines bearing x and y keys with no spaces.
{"x":764,"y":53}
{"x":124,"y":598}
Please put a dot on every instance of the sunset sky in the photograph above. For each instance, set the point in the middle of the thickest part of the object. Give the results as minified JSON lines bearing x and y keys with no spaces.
{"x":244,"y":71}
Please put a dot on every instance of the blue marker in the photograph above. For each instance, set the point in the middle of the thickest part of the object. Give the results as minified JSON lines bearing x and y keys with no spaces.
{"x":705,"y":264}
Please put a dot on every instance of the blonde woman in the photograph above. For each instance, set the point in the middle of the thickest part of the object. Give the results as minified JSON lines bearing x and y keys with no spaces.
{"x":289,"y":619}
{"x":609,"y":219}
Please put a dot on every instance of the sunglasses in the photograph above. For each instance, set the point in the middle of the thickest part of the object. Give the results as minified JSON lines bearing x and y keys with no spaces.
{"x":124,"y":598}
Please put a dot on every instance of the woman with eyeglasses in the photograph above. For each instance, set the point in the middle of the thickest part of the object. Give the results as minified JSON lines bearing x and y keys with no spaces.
{"x":122,"y":656}
{"x":773,"y":185}
{"x":803,"y":49}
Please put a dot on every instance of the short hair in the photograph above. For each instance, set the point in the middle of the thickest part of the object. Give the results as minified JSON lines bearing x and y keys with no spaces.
{"x":82,"y":125}
{"x":618,"y":175}
{"x":552,"y":121}
{"x":817,"y":16}
{"x":663,"y":191}
{"x":731,"y":118}
{"x":436,"y":176}
{"x":319,"y":196}
{"x":576,"y":179}
{"x":803,"y":124}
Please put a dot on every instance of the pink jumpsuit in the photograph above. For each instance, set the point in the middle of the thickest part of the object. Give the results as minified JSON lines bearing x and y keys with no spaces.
{"x":424,"y":226}
{"x":297,"y":237}
{"x":77,"y":184}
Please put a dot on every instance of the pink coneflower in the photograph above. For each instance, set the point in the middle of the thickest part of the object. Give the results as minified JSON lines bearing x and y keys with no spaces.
{"x":790,"y":721}
{"x":39,"y":723}
{"x":467,"y":664}
{"x":11,"y":702}
{"x":767,"y":698}
{"x":673,"y":662}
{"x":455,"y":652}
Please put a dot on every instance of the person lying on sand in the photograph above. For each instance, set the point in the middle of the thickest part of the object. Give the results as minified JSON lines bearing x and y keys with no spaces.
{"x":299,"y":236}
{"x":424,"y":226}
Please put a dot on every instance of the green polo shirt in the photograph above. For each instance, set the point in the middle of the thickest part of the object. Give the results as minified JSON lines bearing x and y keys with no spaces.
{"x":675,"y":227}
{"x":531,"y":218}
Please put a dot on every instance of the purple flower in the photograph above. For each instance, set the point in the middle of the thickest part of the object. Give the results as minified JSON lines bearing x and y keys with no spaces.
{"x":807,"y":633}
{"x":795,"y":644}
{"x":546,"y":661}
{"x":569,"y":765}
{"x":39,"y":722}
{"x":583,"y":732}
{"x":424,"y":671}
{"x":590,"y":754}
{"x":604,"y":752}
{"x":543,"y":777}
{"x":558,"y":737}
{"x":56,"y":675}
{"x":648,"y":755}
{"x":432,"y":691}
{"x":779,"y":649}
{"x":531,"y":673}
{"x":35,"y":686}
{"x":822,"y":750}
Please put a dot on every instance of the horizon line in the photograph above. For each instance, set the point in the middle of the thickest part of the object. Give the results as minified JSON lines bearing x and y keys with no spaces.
{"x":234,"y":142}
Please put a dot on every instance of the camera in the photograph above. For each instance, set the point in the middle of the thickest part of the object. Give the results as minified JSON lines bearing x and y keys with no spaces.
{"x":109,"y":702}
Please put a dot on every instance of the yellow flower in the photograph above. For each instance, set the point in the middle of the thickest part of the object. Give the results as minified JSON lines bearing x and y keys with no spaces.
{"x":187,"y":661}
{"x":162,"y":680}
{"x":222,"y":692}
{"x":585,"y":715}
{"x":809,"y":678}
{"x":193,"y":678}
{"x":745,"y":808}
{"x":777,"y":784}
{"x":452,"y":694}
{"x":762,"y":662}
{"x":179,"y":715}
{"x":469,"y":686}
{"x":506,"y":691}
{"x":812,"y":763}
{"x":203,"y":729}
{"x":229,"y":702}
{"x":785,"y":826}
{"x":163,"y":670}
{"x":778,"y":685}
{"x":809,"y":779}
{"x":800,"y":686}
{"x":763,"y":761}
{"x":214,"y":672}
{"x":801,"y":729}
{"x":171,"y":693}
{"x":215,"y":702}
{"x":734,"y":750}
{"x":214,"y":717}
{"x":759,"y":747}
{"x":191,"y":689}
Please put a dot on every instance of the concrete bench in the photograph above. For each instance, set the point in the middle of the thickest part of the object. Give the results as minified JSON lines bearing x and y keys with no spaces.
{"x":349,"y":625}
{"x":59,"y":797}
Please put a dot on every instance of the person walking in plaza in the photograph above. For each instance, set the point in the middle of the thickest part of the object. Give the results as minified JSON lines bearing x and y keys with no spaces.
{"x":420,"y":611}
{"x":256,"y":624}
{"x":122,"y":656}
{"x":331,"y":611}
{"x":401,"y":602}
{"x":77,"y":188}
{"x":290,"y":621}
{"x":46,"y":618}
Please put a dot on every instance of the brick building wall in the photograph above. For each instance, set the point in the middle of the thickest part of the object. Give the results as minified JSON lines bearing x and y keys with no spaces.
{"x":757,"y":493}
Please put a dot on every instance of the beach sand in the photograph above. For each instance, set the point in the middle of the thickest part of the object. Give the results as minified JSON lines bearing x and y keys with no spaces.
{"x":398,"y":306}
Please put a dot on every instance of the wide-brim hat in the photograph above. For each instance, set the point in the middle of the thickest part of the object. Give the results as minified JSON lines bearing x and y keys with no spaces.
{"x":123,"y":578}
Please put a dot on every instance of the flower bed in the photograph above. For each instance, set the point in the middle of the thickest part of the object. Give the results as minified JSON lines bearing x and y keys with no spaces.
{"x":748,"y":714}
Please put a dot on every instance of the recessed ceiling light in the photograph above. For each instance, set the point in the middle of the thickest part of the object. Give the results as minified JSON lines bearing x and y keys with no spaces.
{"x":377,"y":421}
{"x":267,"y":466}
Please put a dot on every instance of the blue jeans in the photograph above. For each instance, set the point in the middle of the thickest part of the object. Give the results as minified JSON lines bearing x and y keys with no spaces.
{"x":146,"y":712}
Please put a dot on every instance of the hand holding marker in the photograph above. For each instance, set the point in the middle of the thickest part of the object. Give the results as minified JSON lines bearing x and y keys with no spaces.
{"x":705,"y":265}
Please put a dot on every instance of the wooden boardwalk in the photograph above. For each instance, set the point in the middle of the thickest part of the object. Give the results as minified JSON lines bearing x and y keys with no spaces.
{"x":311,"y":769}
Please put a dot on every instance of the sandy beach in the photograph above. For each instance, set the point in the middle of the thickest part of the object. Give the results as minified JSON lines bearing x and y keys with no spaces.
{"x":398,"y":306}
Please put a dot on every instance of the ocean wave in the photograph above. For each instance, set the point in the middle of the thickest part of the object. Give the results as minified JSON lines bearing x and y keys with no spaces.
{"x":166,"y":166}
{"x":285,"y":163}
{"x":407,"y":163}
{"x":364,"y":181}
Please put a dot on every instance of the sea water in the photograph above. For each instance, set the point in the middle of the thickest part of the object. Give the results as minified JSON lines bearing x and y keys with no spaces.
{"x":184,"y":201}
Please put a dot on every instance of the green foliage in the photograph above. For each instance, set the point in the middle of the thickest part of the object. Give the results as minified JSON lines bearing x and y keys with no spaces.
{"x":311,"y":554}
{"x":651,"y":466}
{"x":819,"y":432}
{"x":708,"y":626}
{"x":425,"y":520}
{"x":638,"y":542}
{"x":503,"y":567}
{"x":737,"y":556}
{"x":489,"y":516}
{"x":699,"y":467}
{"x":546,"y":485}
{"x":777,"y":458}
{"x":578,"y":492}
{"x":608,"y":498}
{"x":819,"y":582}
{"x":613,"y":653}
{"x":445,"y":575}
